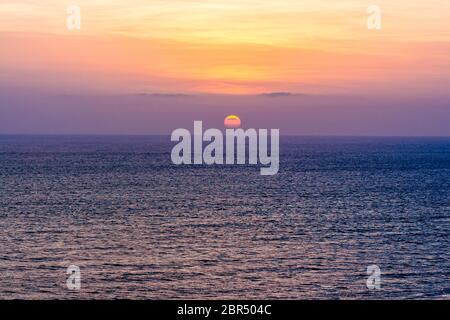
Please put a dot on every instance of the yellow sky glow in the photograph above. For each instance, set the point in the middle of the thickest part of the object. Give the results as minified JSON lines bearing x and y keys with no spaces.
{"x":234,"y":46}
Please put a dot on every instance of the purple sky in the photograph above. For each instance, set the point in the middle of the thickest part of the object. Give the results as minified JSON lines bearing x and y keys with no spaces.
{"x":152,"y":114}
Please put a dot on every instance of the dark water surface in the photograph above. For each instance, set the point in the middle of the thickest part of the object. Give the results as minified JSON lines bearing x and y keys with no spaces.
{"x":140,"y":227}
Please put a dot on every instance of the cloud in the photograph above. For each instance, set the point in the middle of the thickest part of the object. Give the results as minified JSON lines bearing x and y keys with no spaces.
{"x":124,"y":65}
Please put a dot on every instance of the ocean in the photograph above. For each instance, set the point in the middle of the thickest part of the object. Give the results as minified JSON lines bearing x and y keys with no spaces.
{"x":139,"y":227}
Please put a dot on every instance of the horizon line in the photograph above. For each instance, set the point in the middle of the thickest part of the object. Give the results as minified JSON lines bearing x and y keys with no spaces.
{"x":168,"y":134}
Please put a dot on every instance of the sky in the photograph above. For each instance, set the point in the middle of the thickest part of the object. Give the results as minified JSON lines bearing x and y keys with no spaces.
{"x":321,"y":48}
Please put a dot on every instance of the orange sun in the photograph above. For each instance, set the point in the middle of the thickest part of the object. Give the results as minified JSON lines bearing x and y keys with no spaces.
{"x":232,"y":121}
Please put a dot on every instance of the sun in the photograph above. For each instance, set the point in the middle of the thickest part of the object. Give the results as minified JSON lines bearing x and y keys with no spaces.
{"x":232,"y":121}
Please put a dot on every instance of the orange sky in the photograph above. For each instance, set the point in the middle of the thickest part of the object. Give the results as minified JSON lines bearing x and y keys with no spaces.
{"x":237,"y":46}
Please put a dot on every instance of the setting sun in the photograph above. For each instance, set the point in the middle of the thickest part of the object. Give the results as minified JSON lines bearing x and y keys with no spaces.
{"x":232,"y":121}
